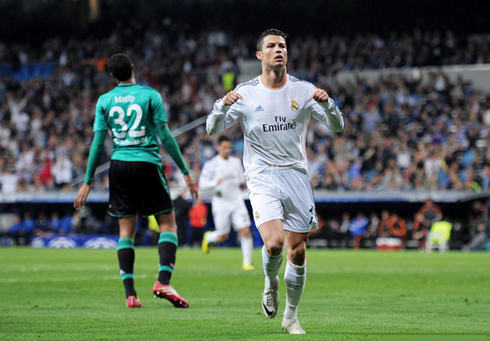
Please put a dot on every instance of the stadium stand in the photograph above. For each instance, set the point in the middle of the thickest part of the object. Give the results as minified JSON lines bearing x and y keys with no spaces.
{"x":402,"y":133}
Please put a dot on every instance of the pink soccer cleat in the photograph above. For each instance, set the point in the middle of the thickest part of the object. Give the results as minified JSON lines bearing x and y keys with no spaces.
{"x":166,"y":291}
{"x":133,"y":302}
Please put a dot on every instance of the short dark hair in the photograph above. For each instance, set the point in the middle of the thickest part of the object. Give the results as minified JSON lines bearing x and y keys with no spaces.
{"x":121,"y":66}
{"x":269,"y":32}
{"x":223,"y":138}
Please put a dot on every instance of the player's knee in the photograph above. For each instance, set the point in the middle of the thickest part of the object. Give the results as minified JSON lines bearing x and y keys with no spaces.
{"x":298,"y":255}
{"x":168,"y":227}
{"x":245,"y":232}
{"x":223,"y":238}
{"x":275,"y":248}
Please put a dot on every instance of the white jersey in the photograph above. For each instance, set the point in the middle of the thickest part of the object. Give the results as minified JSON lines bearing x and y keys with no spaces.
{"x":227,"y":195}
{"x":274,"y":122}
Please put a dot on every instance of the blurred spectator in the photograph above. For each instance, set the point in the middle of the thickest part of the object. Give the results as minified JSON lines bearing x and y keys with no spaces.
{"x":357,"y":228}
{"x":66,"y":224}
{"x":9,"y":180}
{"x":228,"y":79}
{"x":83,"y":221}
{"x":54,"y":223}
{"x":342,"y":233}
{"x":372,"y":231}
{"x":15,"y":229}
{"x":198,"y":215}
{"x":424,"y":218}
{"x":42,"y":225}
{"x":477,"y":227}
{"x":23,"y":229}
{"x":62,"y":171}
{"x":383,"y":229}
{"x":397,"y":227}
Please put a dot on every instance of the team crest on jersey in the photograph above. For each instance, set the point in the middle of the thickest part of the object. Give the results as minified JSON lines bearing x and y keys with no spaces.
{"x":294,"y":105}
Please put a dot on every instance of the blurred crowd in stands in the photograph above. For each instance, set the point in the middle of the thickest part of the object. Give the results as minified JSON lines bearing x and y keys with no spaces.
{"x":401,"y":133}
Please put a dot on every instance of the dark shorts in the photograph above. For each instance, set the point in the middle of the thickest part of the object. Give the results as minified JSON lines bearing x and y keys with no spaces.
{"x":137,"y":187}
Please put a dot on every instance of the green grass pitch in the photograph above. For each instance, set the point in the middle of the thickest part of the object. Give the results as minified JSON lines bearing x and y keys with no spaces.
{"x":367,"y":295}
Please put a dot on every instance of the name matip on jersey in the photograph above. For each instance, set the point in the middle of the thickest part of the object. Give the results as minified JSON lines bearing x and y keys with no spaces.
{"x":227,"y":194}
{"x":274,"y":122}
{"x":131,"y":112}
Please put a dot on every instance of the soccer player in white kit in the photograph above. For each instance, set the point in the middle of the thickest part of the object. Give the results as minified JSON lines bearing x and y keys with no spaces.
{"x":274,"y":111}
{"x":223,"y":175}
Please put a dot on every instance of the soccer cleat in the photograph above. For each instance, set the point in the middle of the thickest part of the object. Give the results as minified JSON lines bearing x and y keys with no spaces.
{"x":133,"y":302}
{"x":205,"y":244}
{"x":169,"y":293}
{"x":270,"y":302}
{"x":248,"y":267}
{"x":292,"y":326}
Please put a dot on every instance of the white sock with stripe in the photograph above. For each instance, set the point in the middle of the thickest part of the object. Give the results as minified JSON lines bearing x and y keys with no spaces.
{"x":213,"y":237}
{"x":295,"y":279}
{"x":271,"y":264}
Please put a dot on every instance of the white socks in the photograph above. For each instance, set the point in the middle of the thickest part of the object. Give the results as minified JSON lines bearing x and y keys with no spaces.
{"x":295,"y":278}
{"x":247,"y":245}
{"x":213,"y":237}
{"x":271,"y":264}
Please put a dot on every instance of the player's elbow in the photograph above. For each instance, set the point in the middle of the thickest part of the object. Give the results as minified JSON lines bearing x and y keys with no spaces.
{"x":338,"y":127}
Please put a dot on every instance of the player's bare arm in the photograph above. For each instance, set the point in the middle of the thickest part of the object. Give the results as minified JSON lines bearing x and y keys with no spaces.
{"x":320,"y":95}
{"x":82,"y":195}
{"x":231,"y":98}
{"x":192,"y":187}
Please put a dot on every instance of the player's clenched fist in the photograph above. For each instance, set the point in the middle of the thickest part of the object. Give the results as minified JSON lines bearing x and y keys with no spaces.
{"x":320,"y":96}
{"x":231,"y":98}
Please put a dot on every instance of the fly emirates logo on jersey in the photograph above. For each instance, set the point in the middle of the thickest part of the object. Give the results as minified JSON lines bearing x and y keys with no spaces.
{"x":280,"y":124}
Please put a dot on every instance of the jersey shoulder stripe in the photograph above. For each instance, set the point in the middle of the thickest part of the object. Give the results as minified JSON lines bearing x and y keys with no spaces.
{"x":253,"y":82}
{"x":294,"y":80}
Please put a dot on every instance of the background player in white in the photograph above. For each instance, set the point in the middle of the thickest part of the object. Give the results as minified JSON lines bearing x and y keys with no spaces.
{"x":223,"y":175}
{"x":274,"y":111}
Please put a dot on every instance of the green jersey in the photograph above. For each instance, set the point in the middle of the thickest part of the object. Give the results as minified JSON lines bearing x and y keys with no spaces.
{"x":132,"y":112}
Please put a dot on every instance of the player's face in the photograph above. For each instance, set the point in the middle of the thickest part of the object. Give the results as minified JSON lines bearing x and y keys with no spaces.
{"x":274,"y":52}
{"x":224,"y":149}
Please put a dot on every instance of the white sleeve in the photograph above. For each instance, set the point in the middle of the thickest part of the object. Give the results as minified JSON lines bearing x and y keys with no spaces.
{"x":207,"y":179}
{"x":328,"y":113}
{"x":222,"y":117}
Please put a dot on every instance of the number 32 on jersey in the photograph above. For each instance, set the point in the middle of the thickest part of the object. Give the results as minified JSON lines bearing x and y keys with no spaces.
{"x":118,"y":114}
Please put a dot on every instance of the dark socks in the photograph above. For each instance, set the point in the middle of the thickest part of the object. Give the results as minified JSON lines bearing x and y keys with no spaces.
{"x":125,"y":254}
{"x":167,"y":249}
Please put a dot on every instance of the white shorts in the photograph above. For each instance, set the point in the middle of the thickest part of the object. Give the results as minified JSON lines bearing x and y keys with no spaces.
{"x":238,"y":218}
{"x":286,"y":194}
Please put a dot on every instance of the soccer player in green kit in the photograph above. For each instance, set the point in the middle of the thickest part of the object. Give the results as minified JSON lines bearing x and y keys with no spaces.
{"x":135,"y":115}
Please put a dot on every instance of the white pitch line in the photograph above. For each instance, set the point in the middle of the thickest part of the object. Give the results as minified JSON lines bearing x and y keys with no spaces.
{"x":58,"y":269}
{"x":66,"y":279}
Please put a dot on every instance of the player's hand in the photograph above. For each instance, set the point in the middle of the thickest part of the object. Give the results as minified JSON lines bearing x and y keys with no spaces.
{"x":192,"y":187}
{"x":231,"y":98}
{"x":82,"y":196}
{"x":320,"y":96}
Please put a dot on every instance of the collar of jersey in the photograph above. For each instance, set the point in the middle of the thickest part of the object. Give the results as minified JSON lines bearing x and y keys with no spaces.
{"x":268,"y":87}
{"x":126,"y":84}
